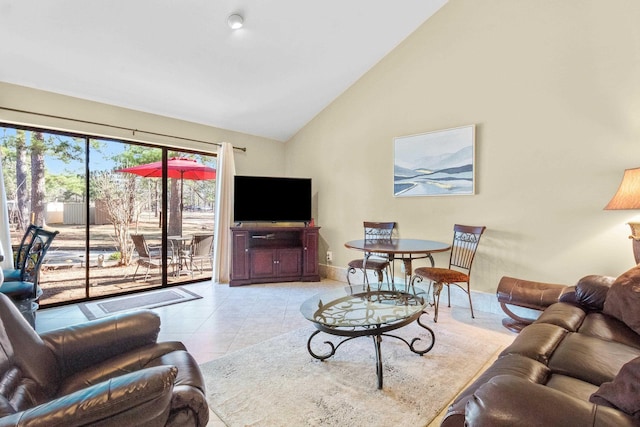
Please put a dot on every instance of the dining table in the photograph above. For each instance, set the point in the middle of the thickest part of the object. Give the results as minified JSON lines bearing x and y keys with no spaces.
{"x":405,"y":250}
{"x":180,"y":245}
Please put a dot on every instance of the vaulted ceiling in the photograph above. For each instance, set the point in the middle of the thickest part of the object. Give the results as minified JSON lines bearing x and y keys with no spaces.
{"x":179,"y":58}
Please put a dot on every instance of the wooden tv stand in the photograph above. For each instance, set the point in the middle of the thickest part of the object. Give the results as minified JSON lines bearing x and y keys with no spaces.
{"x":274,"y":254}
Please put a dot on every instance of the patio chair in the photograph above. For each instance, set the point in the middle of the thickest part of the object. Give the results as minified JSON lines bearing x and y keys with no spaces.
{"x":148,"y":256}
{"x":201,"y":249}
{"x":20,"y":255}
{"x":25,"y":291}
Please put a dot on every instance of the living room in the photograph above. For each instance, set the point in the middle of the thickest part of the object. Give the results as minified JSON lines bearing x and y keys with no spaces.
{"x":552,"y":90}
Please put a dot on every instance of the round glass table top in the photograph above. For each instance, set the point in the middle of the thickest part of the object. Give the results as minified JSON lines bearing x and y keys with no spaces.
{"x":353,"y":307}
{"x":398,"y":246}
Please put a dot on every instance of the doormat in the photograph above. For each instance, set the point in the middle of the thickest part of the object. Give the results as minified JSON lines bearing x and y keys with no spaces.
{"x":97,"y":309}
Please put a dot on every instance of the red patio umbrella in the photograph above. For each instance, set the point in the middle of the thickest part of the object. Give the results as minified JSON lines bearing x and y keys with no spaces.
{"x":177,"y":167}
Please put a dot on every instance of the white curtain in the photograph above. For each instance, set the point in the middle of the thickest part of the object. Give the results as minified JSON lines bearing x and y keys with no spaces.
{"x":226,"y":170}
{"x":5,"y":237}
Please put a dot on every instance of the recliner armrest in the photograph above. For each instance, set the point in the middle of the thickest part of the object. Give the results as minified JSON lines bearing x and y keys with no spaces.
{"x":80,"y":346}
{"x":140,"y":398}
{"x":507,"y":400}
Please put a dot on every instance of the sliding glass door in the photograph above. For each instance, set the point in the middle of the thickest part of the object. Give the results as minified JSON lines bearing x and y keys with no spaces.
{"x":127,"y":221}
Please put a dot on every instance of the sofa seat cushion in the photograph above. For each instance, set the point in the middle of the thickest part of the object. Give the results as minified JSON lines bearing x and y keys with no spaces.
{"x":537,"y":341}
{"x":609,"y":328}
{"x":590,"y":359}
{"x":506,"y":401}
{"x":572,"y":386}
{"x":564,"y":315}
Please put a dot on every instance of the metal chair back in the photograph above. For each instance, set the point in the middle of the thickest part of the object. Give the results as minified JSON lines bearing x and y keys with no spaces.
{"x":34,"y":256}
{"x":465,"y":243}
{"x":21,"y":253}
{"x":378,"y":232}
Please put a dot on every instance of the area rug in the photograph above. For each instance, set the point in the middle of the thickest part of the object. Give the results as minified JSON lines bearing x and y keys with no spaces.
{"x":277,"y":383}
{"x":152,"y":299}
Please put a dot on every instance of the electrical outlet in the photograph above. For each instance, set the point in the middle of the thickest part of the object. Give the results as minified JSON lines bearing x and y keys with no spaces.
{"x":329,"y":256}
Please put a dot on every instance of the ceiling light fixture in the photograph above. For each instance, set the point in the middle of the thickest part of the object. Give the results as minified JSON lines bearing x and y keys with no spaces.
{"x":235,"y":21}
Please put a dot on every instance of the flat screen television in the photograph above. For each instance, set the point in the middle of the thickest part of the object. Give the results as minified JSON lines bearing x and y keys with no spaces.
{"x":271,"y":199}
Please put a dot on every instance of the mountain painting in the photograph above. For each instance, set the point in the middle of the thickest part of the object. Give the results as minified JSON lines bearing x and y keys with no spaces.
{"x":436,"y":163}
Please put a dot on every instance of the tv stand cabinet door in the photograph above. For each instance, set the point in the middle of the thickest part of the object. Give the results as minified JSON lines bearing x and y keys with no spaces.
{"x":289,"y":262}
{"x":310,"y":269}
{"x":240,"y":260}
{"x":263,"y":263}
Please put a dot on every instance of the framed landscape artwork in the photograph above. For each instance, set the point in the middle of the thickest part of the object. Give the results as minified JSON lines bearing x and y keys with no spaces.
{"x":438,"y":163}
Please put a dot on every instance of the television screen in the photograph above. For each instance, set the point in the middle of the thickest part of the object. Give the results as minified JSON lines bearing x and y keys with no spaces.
{"x":273,"y":199}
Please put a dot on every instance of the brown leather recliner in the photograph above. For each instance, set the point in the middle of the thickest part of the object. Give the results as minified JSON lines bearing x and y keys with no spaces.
{"x":107,"y":372}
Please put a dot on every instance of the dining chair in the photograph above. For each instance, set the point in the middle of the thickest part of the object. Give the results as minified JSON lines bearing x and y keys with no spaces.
{"x":149,"y":256}
{"x":374,"y":232}
{"x":463,"y":251}
{"x":201,"y":249}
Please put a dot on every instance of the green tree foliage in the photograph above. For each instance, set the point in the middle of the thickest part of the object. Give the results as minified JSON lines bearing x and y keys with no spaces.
{"x":23,"y":161}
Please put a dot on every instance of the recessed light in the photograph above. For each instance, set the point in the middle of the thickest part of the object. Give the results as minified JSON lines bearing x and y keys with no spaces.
{"x":235,"y":21}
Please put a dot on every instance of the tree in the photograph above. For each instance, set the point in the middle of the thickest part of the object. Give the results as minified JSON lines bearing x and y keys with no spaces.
{"x":29,"y":188}
{"x":118,"y":193}
{"x":22,"y":198}
{"x":37,"y":178}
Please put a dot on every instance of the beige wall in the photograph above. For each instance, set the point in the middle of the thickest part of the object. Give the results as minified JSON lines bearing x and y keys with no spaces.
{"x":553,"y":87}
{"x":263,"y":156}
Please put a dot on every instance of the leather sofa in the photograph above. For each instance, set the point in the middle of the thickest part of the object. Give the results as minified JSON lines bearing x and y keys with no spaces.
{"x":578,"y":364}
{"x":107,"y":372}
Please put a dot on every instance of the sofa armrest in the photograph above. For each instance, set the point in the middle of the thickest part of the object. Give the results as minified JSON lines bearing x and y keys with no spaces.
{"x":80,"y":346}
{"x":507,"y":400}
{"x":143,"y":396}
{"x":528,"y":293}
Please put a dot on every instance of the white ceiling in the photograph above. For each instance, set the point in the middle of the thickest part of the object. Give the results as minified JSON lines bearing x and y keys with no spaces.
{"x":178,"y":58}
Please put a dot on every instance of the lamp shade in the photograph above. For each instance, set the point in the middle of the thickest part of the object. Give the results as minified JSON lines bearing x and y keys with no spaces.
{"x":628,"y":194}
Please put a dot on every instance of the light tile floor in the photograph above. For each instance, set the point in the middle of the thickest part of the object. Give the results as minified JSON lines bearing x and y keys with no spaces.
{"x":227,"y":319}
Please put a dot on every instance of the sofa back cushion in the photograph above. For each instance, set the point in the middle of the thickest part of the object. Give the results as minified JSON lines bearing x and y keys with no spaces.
{"x":623,"y":299}
{"x":591,"y":291}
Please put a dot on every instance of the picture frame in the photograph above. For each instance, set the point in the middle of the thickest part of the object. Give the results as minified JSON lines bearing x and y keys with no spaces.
{"x":438,"y":163}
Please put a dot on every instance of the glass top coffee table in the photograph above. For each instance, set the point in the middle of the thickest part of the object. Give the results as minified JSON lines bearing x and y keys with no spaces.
{"x":353,"y":312}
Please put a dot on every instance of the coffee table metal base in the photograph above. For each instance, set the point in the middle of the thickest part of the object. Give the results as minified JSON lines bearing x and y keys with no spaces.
{"x":376,"y":332}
